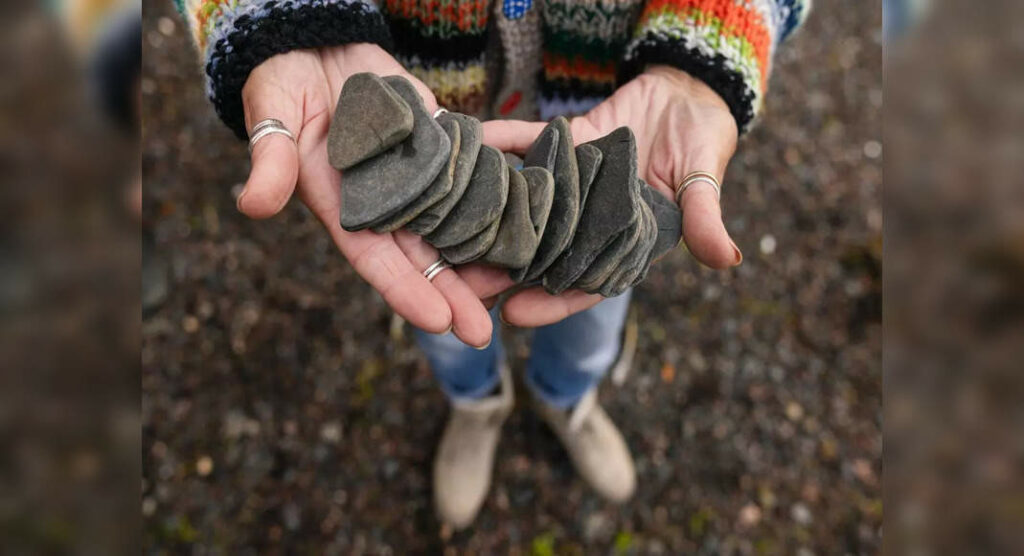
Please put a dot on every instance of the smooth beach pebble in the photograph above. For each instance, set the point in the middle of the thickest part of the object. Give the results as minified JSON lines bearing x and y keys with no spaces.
{"x":439,"y":189}
{"x":471,"y":134}
{"x":565,"y":208}
{"x":370,"y":118}
{"x":481,"y":204}
{"x":612,"y":206}
{"x":376,"y":189}
{"x":517,"y":239}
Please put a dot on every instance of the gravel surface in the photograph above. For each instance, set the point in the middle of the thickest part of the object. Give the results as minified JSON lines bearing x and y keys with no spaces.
{"x":283,"y":413}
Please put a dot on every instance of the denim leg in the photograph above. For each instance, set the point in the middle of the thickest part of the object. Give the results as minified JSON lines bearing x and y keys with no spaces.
{"x":570,"y":357}
{"x":465,"y":373}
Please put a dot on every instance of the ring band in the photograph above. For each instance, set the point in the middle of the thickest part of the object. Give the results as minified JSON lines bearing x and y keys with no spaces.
{"x":695,"y":177}
{"x":267,"y":127}
{"x":433,"y":270}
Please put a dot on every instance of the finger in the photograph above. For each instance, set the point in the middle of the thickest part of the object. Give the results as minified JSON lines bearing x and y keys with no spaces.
{"x":275,"y":157}
{"x":703,"y":229}
{"x":514,"y":136}
{"x":376,"y":257}
{"x":470,"y":321}
{"x":379,"y":260}
{"x":485,"y":280}
{"x":536,"y":307}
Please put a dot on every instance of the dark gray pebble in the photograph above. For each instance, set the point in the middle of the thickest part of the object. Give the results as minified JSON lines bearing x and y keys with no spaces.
{"x":481,"y":204}
{"x":612,"y":206}
{"x":668,"y":217}
{"x":517,"y":239}
{"x":588,"y":158}
{"x":438,"y":190}
{"x":370,"y":118}
{"x":565,"y":209}
{"x":471,"y":135}
{"x":375,"y":189}
{"x":474,"y":247}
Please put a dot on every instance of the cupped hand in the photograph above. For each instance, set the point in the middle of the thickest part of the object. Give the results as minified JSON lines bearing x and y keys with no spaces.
{"x":301,"y":88}
{"x":681,"y":126}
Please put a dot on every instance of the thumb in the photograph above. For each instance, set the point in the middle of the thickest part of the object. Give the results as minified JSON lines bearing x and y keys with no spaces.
{"x":703,"y":228}
{"x":275,"y":157}
{"x":513,"y":136}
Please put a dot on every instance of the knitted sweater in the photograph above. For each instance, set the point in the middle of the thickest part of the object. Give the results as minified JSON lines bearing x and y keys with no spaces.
{"x":507,"y":58}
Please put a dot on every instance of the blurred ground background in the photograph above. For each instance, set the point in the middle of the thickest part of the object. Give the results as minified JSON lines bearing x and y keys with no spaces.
{"x":280,"y":412}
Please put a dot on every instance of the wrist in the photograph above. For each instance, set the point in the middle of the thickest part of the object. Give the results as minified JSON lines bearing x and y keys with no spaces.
{"x":683,"y":83}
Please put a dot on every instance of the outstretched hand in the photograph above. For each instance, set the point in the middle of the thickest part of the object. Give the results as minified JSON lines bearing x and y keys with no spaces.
{"x":681,"y":126}
{"x":300,"y":89}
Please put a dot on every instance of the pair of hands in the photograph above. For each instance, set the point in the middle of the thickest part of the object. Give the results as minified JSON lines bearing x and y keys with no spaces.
{"x":680,"y":124}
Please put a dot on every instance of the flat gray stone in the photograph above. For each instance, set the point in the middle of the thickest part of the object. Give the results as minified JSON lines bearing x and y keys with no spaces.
{"x":370,"y":118}
{"x":669,"y":220}
{"x":540,"y":184}
{"x":544,"y":149}
{"x":609,"y":258}
{"x":517,"y":239}
{"x":480,"y":206}
{"x":669,"y":223}
{"x":635,"y":262}
{"x":375,"y":189}
{"x":588,"y":157}
{"x":612,"y":206}
{"x":437,"y":190}
{"x":471,"y":133}
{"x":474,"y":247}
{"x":514,"y":161}
{"x":565,"y":209}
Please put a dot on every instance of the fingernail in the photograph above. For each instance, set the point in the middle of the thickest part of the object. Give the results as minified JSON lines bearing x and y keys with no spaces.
{"x":485,"y":346}
{"x":449,"y":331}
{"x":238,"y":201}
{"x":736,"y":251}
{"x":501,"y":317}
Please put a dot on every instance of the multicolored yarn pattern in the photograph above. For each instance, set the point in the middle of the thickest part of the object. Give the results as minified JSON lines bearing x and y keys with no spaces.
{"x":553,"y":57}
{"x":443,"y":43}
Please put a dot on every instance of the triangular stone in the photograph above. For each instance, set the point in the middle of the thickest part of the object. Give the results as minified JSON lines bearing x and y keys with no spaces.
{"x":370,"y":118}
{"x":376,"y":189}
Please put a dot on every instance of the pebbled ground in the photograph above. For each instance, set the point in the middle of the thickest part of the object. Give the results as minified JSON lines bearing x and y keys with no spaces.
{"x":282,"y":412}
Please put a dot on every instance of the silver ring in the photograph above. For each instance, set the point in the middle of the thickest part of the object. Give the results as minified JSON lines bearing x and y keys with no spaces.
{"x":433,"y":270}
{"x":695,"y":177}
{"x":439,"y":111}
{"x":266,"y":127}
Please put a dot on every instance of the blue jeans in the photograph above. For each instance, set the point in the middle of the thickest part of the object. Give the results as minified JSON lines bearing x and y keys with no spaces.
{"x":567,"y":359}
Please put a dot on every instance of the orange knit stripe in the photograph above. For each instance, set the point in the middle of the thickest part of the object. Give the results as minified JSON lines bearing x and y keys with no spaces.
{"x":736,"y":20}
{"x":464,"y":15}
{"x":556,"y":66}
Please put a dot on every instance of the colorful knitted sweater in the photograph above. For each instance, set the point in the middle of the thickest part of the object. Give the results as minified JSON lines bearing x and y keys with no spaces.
{"x":507,"y":58}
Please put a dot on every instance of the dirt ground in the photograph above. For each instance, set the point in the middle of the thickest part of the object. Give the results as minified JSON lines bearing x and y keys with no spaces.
{"x":283,"y":414}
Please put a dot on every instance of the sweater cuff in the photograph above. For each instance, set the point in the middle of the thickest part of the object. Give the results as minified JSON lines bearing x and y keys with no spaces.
{"x":235,"y":36}
{"x":728,"y":45}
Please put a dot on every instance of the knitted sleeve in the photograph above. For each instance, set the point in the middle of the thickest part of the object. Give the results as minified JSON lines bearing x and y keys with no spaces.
{"x":728,"y":44}
{"x":235,"y":36}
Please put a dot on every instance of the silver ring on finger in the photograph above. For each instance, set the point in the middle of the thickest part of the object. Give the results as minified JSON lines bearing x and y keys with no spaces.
{"x":267,"y":127}
{"x":433,"y":270}
{"x":698,"y":177}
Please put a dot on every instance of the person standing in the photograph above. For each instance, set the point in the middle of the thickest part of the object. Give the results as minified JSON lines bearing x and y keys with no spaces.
{"x":687,"y":76}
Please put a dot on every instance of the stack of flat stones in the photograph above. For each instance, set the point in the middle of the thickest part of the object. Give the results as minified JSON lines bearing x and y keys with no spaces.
{"x":564,"y":216}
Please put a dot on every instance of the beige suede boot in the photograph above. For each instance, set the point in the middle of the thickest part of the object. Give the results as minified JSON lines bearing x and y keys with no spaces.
{"x":595,"y":446}
{"x":465,"y":457}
